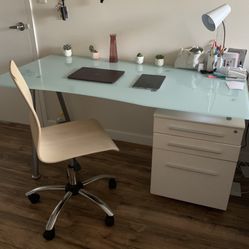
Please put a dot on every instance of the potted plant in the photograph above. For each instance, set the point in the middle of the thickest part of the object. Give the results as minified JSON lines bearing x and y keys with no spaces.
{"x":95,"y":53}
{"x":159,"y":60}
{"x":67,"y":48}
{"x":140,"y":59}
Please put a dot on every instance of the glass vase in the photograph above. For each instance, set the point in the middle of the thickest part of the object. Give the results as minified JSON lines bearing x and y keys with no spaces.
{"x":113,"y":48}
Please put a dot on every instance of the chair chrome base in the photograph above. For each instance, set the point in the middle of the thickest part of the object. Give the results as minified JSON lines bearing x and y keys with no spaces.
{"x":73,"y":188}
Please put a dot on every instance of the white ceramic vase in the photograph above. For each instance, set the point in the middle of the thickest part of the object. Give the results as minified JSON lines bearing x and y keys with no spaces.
{"x":140,"y":60}
{"x":68,"y":53}
{"x":95,"y":55}
{"x":159,"y":62}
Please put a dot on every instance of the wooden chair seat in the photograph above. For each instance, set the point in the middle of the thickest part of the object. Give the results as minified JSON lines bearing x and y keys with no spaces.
{"x":72,"y":139}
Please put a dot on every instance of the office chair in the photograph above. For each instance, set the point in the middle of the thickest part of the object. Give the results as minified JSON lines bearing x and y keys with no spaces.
{"x":65,"y":142}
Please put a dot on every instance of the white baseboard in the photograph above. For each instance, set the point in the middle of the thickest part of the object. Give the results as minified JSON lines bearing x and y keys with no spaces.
{"x":124,"y":136}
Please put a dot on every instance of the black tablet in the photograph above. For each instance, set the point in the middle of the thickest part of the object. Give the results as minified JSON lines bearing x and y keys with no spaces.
{"x":148,"y":81}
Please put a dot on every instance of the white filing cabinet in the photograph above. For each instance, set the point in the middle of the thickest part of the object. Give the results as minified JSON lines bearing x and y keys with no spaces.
{"x":195,"y":157}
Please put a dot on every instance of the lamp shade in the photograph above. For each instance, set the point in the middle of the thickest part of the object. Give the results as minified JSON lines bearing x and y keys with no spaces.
{"x":214,"y":18}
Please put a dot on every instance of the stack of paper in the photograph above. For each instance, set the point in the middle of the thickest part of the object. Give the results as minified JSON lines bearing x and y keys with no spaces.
{"x":237,"y":85}
{"x":238,"y":73}
{"x":236,"y":78}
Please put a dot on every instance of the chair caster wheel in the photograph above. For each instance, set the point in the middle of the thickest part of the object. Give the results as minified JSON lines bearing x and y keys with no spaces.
{"x":49,"y":234}
{"x":34,"y":198}
{"x":112,"y":183}
{"x":109,"y":221}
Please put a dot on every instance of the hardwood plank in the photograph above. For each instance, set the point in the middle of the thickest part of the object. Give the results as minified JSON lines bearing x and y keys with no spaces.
{"x":143,"y":221}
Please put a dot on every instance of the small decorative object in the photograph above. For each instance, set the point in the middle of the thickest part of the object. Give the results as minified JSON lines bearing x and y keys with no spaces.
{"x":159,"y":60}
{"x":95,"y":53}
{"x":189,"y":58}
{"x":140,"y":59}
{"x":230,"y":59}
{"x":67,"y":50}
{"x":113,"y":48}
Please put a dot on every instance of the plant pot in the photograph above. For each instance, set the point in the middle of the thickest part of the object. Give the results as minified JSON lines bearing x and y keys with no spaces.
{"x":219,"y":63}
{"x":95,"y":55}
{"x":68,"y":53}
{"x":211,"y":62}
{"x":140,"y":60}
{"x":159,"y":62}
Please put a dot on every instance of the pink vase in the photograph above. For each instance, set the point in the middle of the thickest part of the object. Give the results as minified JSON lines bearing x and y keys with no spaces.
{"x":113,"y":49}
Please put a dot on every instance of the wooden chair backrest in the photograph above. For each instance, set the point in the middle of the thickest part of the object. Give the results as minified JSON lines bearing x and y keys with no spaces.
{"x":24,"y":89}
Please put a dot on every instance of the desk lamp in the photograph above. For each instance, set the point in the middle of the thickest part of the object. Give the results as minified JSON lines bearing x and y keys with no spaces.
{"x":214,"y":18}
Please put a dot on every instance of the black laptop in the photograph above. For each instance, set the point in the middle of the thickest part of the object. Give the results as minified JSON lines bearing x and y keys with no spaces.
{"x":96,"y":75}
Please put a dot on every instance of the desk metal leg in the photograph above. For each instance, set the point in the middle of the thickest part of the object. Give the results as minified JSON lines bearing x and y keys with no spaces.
{"x":63,"y":106}
{"x":35,"y":161}
{"x":35,"y":164}
{"x":74,"y":162}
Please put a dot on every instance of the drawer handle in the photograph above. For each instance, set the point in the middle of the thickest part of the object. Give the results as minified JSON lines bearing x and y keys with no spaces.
{"x":192,"y":169}
{"x":208,"y":133}
{"x":191,"y":147}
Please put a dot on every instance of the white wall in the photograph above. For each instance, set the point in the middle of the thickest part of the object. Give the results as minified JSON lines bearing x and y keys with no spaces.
{"x":147,"y":26}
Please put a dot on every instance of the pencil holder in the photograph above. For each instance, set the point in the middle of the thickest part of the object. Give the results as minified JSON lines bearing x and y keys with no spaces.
{"x":211,"y":62}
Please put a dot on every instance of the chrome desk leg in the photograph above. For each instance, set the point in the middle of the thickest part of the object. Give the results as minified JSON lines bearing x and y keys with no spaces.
{"x":35,"y":164}
{"x":35,"y":161}
{"x":63,"y":106}
{"x":65,"y":113}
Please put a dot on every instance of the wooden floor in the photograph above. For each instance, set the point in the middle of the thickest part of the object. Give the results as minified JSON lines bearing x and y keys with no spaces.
{"x":143,"y":221}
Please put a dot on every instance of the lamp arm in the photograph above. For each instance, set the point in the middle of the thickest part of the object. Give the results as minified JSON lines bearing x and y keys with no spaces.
{"x":224,"y":32}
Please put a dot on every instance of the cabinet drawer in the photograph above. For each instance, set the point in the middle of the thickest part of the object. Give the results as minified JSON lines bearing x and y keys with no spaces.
{"x":190,"y":178}
{"x":221,"y":134}
{"x":196,"y":147}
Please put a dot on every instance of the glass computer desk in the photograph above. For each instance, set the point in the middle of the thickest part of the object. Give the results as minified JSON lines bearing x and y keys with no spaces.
{"x":183,"y":91}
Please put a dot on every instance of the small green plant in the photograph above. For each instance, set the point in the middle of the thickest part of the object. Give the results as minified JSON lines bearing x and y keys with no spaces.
{"x":159,"y":57}
{"x":67,"y":47}
{"x":139,"y":55}
{"x":92,"y":49}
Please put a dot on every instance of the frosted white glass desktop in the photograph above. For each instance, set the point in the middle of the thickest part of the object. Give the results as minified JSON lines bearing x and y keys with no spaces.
{"x":182,"y":90}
